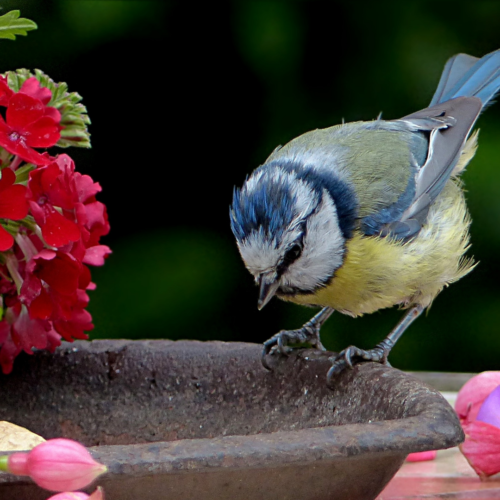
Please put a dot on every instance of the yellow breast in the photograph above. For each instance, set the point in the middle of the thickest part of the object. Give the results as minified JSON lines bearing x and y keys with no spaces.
{"x":382,"y":272}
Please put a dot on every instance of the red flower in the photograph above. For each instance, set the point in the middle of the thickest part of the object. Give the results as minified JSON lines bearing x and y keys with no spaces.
{"x":13,"y":205}
{"x":29,"y":124}
{"x":49,"y":187}
{"x":19,"y":332}
{"x":79,"y":217}
{"x":54,"y":289}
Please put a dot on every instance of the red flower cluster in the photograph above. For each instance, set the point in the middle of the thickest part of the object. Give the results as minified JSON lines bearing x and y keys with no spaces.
{"x":29,"y":122}
{"x":49,"y":231}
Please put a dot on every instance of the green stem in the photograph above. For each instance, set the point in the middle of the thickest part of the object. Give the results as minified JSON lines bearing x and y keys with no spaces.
{"x":4,"y":459}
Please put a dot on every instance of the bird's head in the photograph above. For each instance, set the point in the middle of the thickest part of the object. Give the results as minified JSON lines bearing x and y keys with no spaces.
{"x":287,"y":228}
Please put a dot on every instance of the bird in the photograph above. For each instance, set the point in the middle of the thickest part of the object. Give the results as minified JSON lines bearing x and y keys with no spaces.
{"x":366,"y":215}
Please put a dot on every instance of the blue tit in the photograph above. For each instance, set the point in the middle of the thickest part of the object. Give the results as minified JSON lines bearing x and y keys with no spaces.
{"x":366,"y":215}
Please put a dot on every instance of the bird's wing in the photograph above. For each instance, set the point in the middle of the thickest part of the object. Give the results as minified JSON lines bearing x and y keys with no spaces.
{"x":448,"y":125}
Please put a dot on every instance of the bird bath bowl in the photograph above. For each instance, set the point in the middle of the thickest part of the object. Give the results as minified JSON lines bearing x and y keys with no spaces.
{"x":203,"y":420}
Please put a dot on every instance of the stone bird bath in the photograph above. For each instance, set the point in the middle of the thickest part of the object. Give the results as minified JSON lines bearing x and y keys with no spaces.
{"x":192,"y":420}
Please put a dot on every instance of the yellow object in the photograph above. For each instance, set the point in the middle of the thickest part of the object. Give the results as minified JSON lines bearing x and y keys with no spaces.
{"x":16,"y":438}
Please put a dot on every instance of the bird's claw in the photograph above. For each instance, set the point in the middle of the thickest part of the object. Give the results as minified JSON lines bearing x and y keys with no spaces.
{"x":352,"y":354}
{"x":279,"y":343}
{"x":276,"y":344}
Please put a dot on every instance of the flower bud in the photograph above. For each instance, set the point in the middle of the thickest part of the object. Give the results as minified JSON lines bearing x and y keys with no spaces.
{"x":421,"y":456}
{"x":57,"y":465}
{"x":472,"y":395}
{"x":79,"y":495}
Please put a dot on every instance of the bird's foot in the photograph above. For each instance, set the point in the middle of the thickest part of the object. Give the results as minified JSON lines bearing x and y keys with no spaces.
{"x":352,"y":354}
{"x":279,"y":343}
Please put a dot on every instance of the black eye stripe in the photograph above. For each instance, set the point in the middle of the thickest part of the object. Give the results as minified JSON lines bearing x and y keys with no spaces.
{"x":291,"y":255}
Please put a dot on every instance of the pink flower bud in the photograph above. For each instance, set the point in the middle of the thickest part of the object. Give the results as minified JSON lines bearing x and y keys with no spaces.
{"x":78,"y":495}
{"x":57,"y":465}
{"x":421,"y":456}
{"x":473,"y":393}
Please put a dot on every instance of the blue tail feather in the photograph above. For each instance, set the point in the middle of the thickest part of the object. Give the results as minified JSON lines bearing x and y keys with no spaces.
{"x":482,"y":80}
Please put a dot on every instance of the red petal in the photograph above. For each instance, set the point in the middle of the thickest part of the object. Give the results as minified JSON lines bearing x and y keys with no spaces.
{"x":6,"y":240}
{"x":13,"y":203}
{"x":33,"y":88}
{"x":8,"y":178}
{"x":41,"y":307}
{"x":29,"y":333}
{"x":53,"y":113}
{"x":52,"y":183}
{"x":482,"y":448}
{"x":61,"y":273}
{"x":59,"y":231}
{"x":9,"y":350}
{"x":5,"y":92}
{"x":19,"y":148}
{"x":74,"y":329}
{"x":42,"y":133}
{"x":23,"y":110}
{"x":84,"y":279}
{"x":31,"y":286}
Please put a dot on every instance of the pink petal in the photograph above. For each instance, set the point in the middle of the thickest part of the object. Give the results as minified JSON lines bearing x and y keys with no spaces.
{"x":473,"y":393}
{"x":95,"y":256}
{"x":481,"y":448}
{"x":86,"y":187}
{"x":33,"y":88}
{"x":18,"y":464}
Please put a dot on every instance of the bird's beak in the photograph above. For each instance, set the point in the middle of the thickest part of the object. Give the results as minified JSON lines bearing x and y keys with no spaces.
{"x":268,"y":288}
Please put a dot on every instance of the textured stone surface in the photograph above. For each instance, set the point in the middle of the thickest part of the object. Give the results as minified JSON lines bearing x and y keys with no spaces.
{"x":205,"y":420}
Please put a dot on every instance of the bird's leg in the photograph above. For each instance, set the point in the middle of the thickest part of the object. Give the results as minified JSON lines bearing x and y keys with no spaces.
{"x":308,"y":334}
{"x":380,"y":352}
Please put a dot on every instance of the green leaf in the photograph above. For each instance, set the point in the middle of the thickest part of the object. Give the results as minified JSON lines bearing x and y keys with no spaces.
{"x":74,"y":117}
{"x":11,"y":25}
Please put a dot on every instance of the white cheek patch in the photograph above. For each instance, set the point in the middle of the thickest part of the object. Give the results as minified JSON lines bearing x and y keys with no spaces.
{"x":262,"y":252}
{"x":323,"y":251}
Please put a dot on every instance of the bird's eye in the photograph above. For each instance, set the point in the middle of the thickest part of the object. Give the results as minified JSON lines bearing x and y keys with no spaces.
{"x":294,"y":253}
{"x":291,"y":255}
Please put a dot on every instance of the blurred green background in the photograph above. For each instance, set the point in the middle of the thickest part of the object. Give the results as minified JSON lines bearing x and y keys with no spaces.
{"x":187,"y":98}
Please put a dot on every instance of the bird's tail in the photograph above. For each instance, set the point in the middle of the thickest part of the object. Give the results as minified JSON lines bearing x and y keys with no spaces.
{"x":467,"y":76}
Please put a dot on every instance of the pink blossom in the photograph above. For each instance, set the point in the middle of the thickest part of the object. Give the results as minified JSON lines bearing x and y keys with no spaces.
{"x":478,"y":406}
